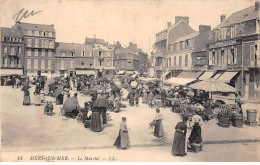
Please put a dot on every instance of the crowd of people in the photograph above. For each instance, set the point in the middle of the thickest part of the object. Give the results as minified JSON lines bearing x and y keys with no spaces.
{"x":105,"y":95}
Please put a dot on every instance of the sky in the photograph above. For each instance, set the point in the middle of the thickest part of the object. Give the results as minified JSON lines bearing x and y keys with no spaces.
{"x":114,"y":20}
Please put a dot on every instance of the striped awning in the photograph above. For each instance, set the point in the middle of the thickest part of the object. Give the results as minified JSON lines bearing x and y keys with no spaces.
{"x":227,"y":76}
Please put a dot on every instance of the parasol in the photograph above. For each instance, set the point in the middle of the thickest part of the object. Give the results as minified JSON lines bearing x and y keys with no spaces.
{"x":101,"y":102}
{"x":213,"y":85}
{"x":70,"y":104}
{"x":25,"y":88}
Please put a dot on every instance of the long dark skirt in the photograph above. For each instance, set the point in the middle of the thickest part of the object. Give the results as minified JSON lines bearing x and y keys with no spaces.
{"x":59,"y":100}
{"x":104,"y":115}
{"x":95,"y":124}
{"x":26,"y":100}
{"x":117,"y":143}
{"x":158,"y":129}
{"x":178,"y":147}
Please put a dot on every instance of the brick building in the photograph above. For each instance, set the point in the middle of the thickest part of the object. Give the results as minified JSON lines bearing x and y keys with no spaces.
{"x":169,"y":35}
{"x":233,"y":51}
{"x":12,"y":52}
{"x":39,"y":48}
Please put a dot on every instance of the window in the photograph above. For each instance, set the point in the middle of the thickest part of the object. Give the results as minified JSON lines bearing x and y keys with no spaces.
{"x":29,"y":42}
{"x":186,"y":60}
{"x":29,"y":32}
{"x":17,"y":63}
{"x":49,"y":64}
{"x":235,"y":56}
{"x":223,"y":33}
{"x":180,"y":60}
{"x":50,"y":53}
{"x":36,"y":52}
{"x":5,"y":49}
{"x":213,"y":57}
{"x":232,"y":56}
{"x":50,"y":34}
{"x":63,"y":53}
{"x":51,"y":44}
{"x":170,"y":61}
{"x":45,"y":43}
{"x":253,"y":55}
{"x":210,"y":58}
{"x":35,"y":63}
{"x":233,"y":31}
{"x":42,"y":64}
{"x":219,"y":56}
{"x":29,"y":52}
{"x":91,"y":54}
{"x":91,"y":65}
{"x":36,"y":43}
{"x":5,"y":62}
{"x":73,"y":54}
{"x":29,"y":63}
{"x":19,"y":50}
{"x":83,"y":53}
{"x":45,"y":34}
{"x":12,"y":63}
{"x":174,"y":61}
{"x":36,"y":33}
{"x":43,"y":53}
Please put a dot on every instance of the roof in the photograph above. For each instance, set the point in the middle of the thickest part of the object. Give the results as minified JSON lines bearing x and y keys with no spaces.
{"x":72,"y":46}
{"x":39,"y":27}
{"x":99,"y":46}
{"x":123,"y":51}
{"x":240,"y":16}
{"x":9,"y":32}
{"x":189,"y":36}
{"x":94,"y":40}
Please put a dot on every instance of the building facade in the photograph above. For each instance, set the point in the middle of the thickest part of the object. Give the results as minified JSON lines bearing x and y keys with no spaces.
{"x":12,"y":52}
{"x":164,"y":38}
{"x":39,"y":42}
{"x":233,"y":51}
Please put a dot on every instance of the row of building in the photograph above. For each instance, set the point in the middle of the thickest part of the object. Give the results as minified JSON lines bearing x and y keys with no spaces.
{"x":229,"y":52}
{"x":31,"y":49}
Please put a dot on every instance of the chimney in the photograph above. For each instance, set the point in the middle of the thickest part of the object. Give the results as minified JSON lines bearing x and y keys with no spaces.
{"x":179,"y":18}
{"x":256,"y":5}
{"x":204,"y":28}
{"x":169,"y":24}
{"x":222,"y":17}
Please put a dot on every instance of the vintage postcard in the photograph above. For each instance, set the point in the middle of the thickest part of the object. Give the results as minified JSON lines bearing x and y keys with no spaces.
{"x":130,"y":81}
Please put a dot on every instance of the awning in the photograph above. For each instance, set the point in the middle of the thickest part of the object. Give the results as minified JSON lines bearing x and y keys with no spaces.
{"x":206,"y":75}
{"x":179,"y":81}
{"x":134,"y":75}
{"x":8,"y":72}
{"x":191,"y":75}
{"x":136,"y":72}
{"x":130,"y":72}
{"x":85,"y":72}
{"x":121,"y":72}
{"x":227,"y":76}
{"x":217,"y":75}
{"x":165,"y":74}
{"x":143,"y":80}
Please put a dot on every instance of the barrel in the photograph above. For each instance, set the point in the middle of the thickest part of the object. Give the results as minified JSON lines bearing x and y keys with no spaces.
{"x":251,"y":115}
{"x":224,"y":120}
{"x":237,"y":120}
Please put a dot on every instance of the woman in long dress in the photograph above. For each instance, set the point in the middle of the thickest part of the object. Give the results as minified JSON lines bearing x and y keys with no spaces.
{"x":158,"y":127}
{"x":131,"y":98}
{"x":178,"y":147}
{"x":195,"y":139}
{"x":96,"y":123}
{"x":37,"y":95}
{"x":122,"y":140}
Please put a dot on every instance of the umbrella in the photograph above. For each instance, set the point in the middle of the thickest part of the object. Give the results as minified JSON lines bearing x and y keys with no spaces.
{"x":100,"y":102}
{"x":70,"y":104}
{"x":129,"y":78}
{"x":25,"y":88}
{"x":114,"y":88}
{"x":213,"y":85}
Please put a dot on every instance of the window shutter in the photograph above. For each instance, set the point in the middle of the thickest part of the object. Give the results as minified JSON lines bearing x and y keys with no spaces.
{"x":228,"y":57}
{"x":235,"y":56}
{"x":225,"y":56}
{"x":252,"y":52}
{"x":210,"y":58}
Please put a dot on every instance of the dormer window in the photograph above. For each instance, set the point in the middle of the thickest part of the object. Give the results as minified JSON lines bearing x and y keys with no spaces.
{"x":72,"y":54}
{"x":83,"y":53}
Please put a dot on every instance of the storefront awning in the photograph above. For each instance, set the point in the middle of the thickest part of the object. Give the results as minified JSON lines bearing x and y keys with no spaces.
{"x":165,"y":74}
{"x":217,"y":75}
{"x":190,"y":75}
{"x":179,"y":81}
{"x":85,"y":72}
{"x":206,"y":75}
{"x":8,"y":72}
{"x":130,"y":72}
{"x":121,"y":72}
{"x":227,"y":76}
